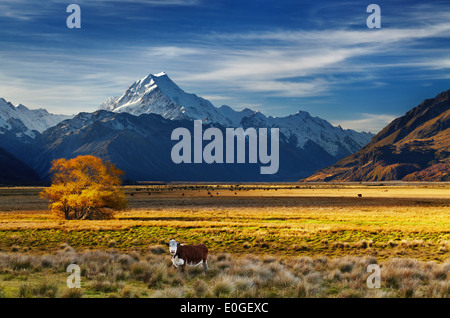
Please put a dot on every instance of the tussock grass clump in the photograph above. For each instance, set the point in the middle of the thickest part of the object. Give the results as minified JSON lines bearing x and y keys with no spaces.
{"x":244,"y":284}
{"x":170,"y":293}
{"x":285,"y":279}
{"x":47,"y":261}
{"x":200,"y":288}
{"x":118,"y":274}
{"x":301,"y":290}
{"x":194,"y":271}
{"x":224,"y":286}
{"x":41,"y":290}
{"x":72,"y":293}
{"x":350,"y":293}
{"x":158,"y":250}
{"x":347,"y":267}
{"x":126,"y":292}
{"x":126,"y":260}
{"x":158,"y":276}
{"x":21,"y":262}
{"x":46,"y":289}
{"x":105,"y":286}
{"x":141,"y":271}
{"x":25,"y":291}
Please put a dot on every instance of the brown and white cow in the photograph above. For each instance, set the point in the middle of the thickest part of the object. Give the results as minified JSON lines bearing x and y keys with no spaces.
{"x":188,"y":254}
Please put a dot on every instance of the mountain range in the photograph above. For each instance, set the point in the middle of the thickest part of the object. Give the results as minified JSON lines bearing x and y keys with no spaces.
{"x":158,"y":94}
{"x":414,"y":147}
{"x":133,"y":131}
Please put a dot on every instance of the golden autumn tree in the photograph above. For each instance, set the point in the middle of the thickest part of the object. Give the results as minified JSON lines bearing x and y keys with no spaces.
{"x":85,"y":188}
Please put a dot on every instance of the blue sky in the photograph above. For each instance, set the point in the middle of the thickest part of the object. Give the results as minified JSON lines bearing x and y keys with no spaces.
{"x":274,"y":56}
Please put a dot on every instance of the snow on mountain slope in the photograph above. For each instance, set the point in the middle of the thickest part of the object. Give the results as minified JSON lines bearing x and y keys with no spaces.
{"x":25,"y":120}
{"x":331,"y":138}
{"x":158,"y":94}
{"x":235,"y":117}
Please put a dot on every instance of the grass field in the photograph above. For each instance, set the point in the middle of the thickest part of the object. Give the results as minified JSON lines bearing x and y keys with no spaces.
{"x":335,"y":229}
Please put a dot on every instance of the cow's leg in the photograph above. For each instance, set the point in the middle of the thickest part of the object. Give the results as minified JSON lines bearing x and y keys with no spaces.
{"x":205,"y":265}
{"x":183,"y":267}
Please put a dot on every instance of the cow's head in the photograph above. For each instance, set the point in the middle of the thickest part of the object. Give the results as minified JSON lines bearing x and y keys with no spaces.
{"x":173,"y":246}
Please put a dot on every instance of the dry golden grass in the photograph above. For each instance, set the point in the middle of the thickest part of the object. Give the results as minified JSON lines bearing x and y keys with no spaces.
{"x":115,"y":274}
{"x":292,"y":240}
{"x":401,"y":220}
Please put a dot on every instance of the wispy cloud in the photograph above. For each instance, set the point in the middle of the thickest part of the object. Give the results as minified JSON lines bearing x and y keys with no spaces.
{"x":367,"y":122}
{"x":32,"y":9}
{"x":308,"y":53}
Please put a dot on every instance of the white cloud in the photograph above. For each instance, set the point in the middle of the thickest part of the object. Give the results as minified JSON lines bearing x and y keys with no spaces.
{"x":367,"y":122}
{"x":171,"y":51}
{"x":345,"y":37}
{"x":304,"y":53}
{"x":278,"y":63}
{"x":288,"y":89}
{"x":32,"y":9}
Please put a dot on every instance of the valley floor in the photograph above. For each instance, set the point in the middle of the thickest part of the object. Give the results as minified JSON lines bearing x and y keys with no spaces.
{"x":285,"y":240}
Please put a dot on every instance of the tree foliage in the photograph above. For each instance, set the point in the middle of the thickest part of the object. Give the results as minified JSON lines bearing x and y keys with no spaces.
{"x":85,"y":188}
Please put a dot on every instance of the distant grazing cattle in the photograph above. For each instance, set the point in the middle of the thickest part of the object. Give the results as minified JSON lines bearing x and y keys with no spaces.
{"x":188,"y":254}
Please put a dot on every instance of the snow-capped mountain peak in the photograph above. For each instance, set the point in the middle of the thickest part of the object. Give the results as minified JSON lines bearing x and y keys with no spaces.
{"x":158,"y":94}
{"x":26,"y":121}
